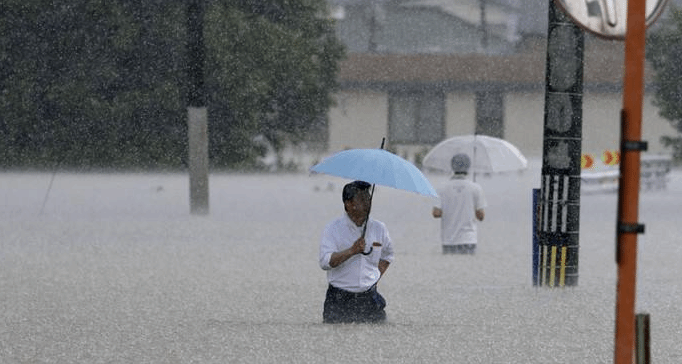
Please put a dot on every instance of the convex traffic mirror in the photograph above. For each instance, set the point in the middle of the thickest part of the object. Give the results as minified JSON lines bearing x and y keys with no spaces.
{"x":607,"y":18}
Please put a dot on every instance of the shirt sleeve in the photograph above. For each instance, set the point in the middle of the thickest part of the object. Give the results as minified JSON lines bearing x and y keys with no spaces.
{"x":439,"y":201}
{"x":327,"y":247}
{"x":479,"y":198}
{"x":387,"y":245}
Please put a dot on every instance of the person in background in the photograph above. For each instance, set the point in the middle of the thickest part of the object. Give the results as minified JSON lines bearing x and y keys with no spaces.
{"x":462,"y":205}
{"x":354,"y":263}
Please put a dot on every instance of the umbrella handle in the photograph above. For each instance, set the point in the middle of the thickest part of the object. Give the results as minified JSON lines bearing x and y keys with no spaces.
{"x":473,"y":161}
{"x":364,"y":228}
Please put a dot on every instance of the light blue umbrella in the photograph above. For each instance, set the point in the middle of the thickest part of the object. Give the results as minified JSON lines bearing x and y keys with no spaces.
{"x":376,"y":166}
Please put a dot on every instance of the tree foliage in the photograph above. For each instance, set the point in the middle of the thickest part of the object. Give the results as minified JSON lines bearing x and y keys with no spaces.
{"x":101,"y":84}
{"x":664,"y":52}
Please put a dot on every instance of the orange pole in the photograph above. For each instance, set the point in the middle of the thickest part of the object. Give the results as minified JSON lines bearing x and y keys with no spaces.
{"x":628,"y":193}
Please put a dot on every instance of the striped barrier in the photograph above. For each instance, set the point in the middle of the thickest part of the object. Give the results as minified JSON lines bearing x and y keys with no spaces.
{"x":599,"y":177}
{"x":603,"y":177}
{"x":586,"y":161}
{"x":610,"y":157}
{"x":552,"y":267}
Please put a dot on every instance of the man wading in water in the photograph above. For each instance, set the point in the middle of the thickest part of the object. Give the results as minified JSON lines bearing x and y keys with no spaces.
{"x":352,"y":270}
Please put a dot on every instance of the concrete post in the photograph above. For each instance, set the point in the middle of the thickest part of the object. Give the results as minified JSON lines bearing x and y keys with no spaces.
{"x":197,"y":130}
{"x":197,"y":114}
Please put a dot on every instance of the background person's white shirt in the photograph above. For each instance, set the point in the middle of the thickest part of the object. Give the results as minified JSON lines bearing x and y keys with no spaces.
{"x":360,"y":272}
{"x":459,"y":200}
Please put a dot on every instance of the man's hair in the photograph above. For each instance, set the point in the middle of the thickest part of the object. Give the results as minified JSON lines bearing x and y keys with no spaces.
{"x":351,"y":189}
{"x":460,"y":163}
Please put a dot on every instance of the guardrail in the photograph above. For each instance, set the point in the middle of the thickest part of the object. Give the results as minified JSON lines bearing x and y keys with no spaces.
{"x":654,"y":175}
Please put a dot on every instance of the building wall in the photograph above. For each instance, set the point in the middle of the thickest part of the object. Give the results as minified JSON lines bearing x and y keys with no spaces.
{"x":360,"y":120}
{"x":524,"y":121}
{"x":460,"y":113}
{"x":601,"y":124}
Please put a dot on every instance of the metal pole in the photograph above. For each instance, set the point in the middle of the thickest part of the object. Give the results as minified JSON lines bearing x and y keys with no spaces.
{"x":628,"y":191}
{"x":560,"y":190}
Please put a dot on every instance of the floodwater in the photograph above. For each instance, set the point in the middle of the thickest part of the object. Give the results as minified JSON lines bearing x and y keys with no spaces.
{"x":113,"y":269}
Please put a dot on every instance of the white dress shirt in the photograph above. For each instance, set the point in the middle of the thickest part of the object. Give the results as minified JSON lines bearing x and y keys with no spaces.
{"x":360,"y":272}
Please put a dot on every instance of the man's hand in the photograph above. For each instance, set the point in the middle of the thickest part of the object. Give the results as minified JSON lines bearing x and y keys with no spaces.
{"x":340,"y":257}
{"x":358,"y":246}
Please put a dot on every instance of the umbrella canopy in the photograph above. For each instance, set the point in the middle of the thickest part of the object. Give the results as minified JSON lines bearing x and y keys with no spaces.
{"x":376,"y":166}
{"x":488,"y":154}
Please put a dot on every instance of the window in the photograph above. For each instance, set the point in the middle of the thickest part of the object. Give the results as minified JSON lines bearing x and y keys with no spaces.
{"x":416,"y":117}
{"x":490,"y":114}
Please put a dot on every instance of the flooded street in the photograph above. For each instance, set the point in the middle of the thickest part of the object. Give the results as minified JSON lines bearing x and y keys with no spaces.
{"x":114,"y":269}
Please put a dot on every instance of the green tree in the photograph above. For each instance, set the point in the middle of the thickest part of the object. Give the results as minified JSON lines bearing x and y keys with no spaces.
{"x":272,"y":67}
{"x":87,"y":83}
{"x":664,"y":52}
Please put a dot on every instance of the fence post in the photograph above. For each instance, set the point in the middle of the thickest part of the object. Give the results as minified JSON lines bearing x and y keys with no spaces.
{"x":536,"y":244}
{"x":642,"y":339}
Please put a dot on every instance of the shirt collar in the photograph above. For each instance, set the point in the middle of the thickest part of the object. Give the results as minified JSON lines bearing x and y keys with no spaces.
{"x":350,"y":222}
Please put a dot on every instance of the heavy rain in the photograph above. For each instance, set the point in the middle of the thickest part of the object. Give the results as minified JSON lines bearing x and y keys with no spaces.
{"x":103,"y":258}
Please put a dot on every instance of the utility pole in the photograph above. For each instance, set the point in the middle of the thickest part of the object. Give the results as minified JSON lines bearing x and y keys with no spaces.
{"x":197,"y":114}
{"x":559,"y":214}
{"x":374,"y":27}
{"x":484,"y":25}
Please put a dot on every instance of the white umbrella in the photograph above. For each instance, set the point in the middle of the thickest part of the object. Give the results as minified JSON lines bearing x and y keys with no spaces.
{"x":488,"y":154}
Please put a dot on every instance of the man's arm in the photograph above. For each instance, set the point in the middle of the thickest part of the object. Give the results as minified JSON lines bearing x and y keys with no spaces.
{"x":383,"y":265}
{"x":480,"y":214}
{"x":339,"y":257}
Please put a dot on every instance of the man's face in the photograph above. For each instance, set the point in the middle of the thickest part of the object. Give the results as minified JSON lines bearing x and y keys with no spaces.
{"x":358,"y":206}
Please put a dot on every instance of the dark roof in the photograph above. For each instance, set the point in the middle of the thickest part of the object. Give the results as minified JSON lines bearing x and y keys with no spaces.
{"x":603,"y":66}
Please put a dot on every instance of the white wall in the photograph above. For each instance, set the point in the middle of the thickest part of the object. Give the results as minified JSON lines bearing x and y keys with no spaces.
{"x":601,"y":124}
{"x":460,"y":114}
{"x":359,"y":120}
{"x":524,"y":122}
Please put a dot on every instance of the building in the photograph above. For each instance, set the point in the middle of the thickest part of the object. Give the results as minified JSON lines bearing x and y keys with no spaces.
{"x":420,"y":71}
